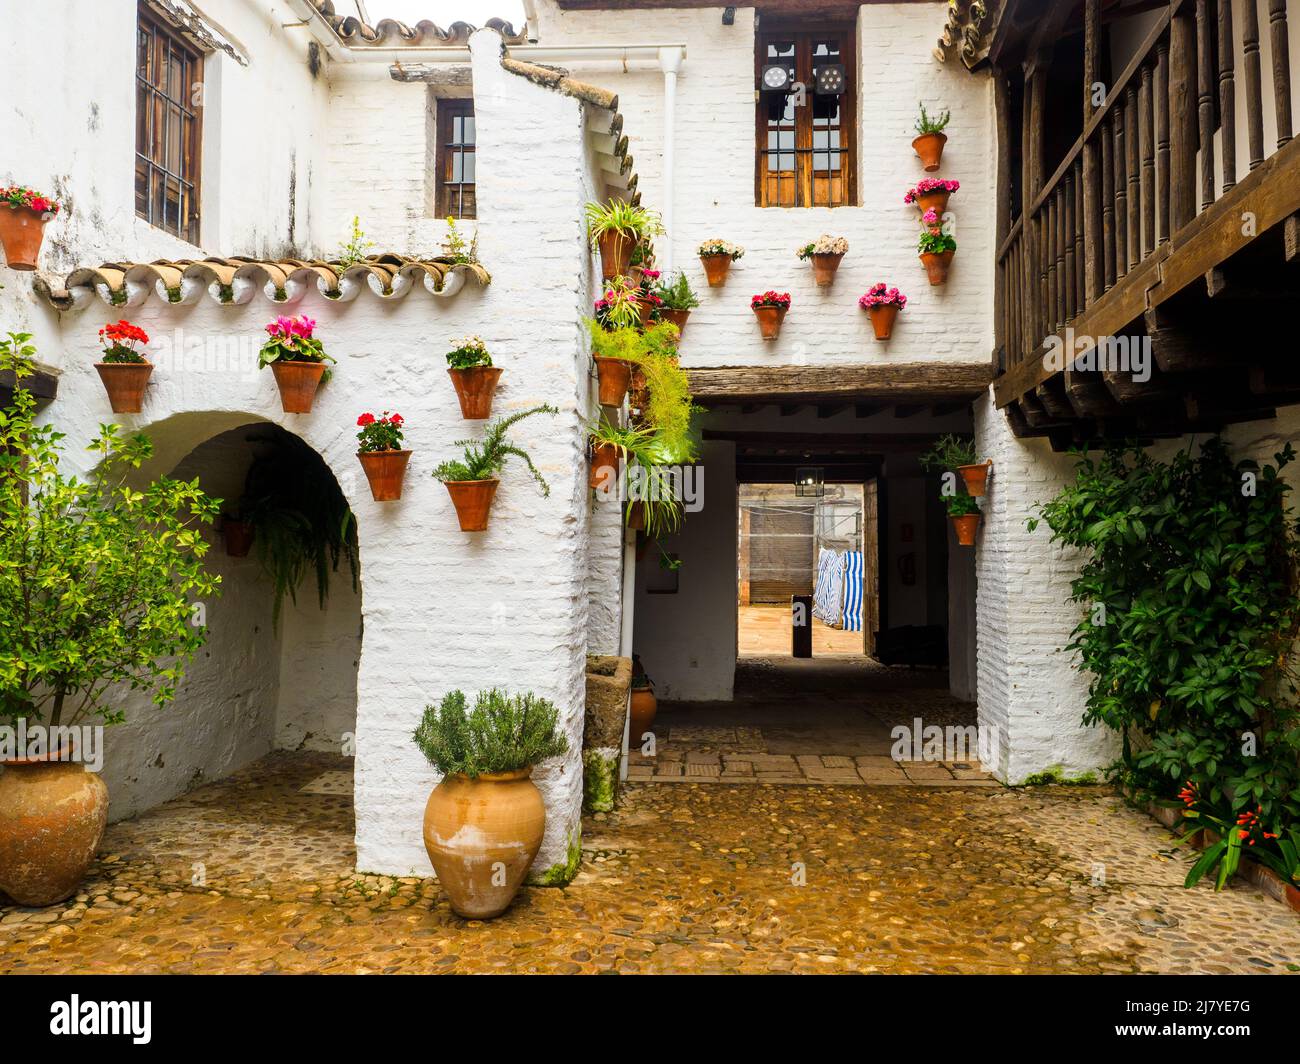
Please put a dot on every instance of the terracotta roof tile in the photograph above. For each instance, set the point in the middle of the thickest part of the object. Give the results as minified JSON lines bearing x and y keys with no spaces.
{"x":424,"y":34}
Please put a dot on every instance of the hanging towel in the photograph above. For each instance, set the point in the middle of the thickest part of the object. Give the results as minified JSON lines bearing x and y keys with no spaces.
{"x":828,"y":597}
{"x":852,"y":591}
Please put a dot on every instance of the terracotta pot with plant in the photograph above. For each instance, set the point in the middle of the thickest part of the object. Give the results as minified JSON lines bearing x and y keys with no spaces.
{"x":298,"y":360}
{"x":716,"y":256}
{"x":123,"y":370}
{"x":135,"y":628}
{"x":676,"y":300}
{"x":615,"y":229}
{"x":955,"y":454}
{"x":975,"y":475}
{"x":930,"y":138}
{"x":381,"y":454}
{"x":931,"y":194}
{"x":882,"y":305}
{"x":617,"y":312}
{"x":936,"y":248}
{"x":237,"y":535}
{"x":24,"y":214}
{"x":483,"y":824}
{"x":469,"y":365}
{"x":611,"y":445}
{"x":825,"y":253}
{"x":472,"y":480}
{"x":770,"y":309}
{"x":964,"y":513}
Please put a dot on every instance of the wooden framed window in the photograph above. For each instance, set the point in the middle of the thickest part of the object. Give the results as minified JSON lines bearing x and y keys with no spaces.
{"x":806,"y":151}
{"x":455,"y":159}
{"x":168,"y":127}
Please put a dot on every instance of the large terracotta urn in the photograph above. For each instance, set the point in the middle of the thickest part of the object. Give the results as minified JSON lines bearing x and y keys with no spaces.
{"x":643,"y":709}
{"x":52,"y":816}
{"x":482,"y":835}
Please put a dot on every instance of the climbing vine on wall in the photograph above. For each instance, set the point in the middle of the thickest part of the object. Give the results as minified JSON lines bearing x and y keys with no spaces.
{"x":1190,"y":616}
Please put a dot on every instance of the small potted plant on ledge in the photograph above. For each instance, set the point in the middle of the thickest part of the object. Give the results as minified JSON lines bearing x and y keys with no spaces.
{"x":122,"y":368}
{"x":882,"y":305}
{"x":469,"y":365}
{"x":825,"y":254}
{"x":770,"y":309}
{"x":931,"y":194}
{"x":472,"y":481}
{"x":936,"y":248}
{"x":23,"y":217}
{"x":964,"y":513}
{"x":297,"y":358}
{"x":615,"y":229}
{"x":484,"y":822}
{"x":381,"y":454}
{"x":931,"y":138}
{"x":717,"y":257}
{"x":677,"y":300}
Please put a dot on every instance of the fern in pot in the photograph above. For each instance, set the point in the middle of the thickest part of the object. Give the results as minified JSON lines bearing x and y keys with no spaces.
{"x":484,"y":822}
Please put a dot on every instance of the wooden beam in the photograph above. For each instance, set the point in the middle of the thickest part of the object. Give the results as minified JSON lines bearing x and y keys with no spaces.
{"x":921,"y":382}
{"x":43,"y":386}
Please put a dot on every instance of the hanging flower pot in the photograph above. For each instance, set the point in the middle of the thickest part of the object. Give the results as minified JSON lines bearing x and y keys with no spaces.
{"x":297,"y":359}
{"x":237,"y":536}
{"x":297,"y":382}
{"x":469,"y":365}
{"x":604,"y":465}
{"x":678,"y":318}
{"x":824,"y":267}
{"x":615,"y":377}
{"x":976,"y":477}
{"x":966,"y":525}
{"x":716,"y":256}
{"x":123,"y":370}
{"x":929,"y":146}
{"x":825,"y":254}
{"x":23,"y":217}
{"x":381,"y":454}
{"x":473,"y":501}
{"x":615,"y":253}
{"x":936,"y":266}
{"x":882,"y":305}
{"x":52,"y":817}
{"x":931,"y":194}
{"x":770,"y":309}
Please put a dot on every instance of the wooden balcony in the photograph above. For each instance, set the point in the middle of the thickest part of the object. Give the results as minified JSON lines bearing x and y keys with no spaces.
{"x":1166,"y":231}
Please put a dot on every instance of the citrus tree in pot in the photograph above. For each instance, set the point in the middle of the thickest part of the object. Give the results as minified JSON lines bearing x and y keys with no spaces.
{"x":484,"y":822}
{"x":123,"y":368}
{"x":472,"y":480}
{"x":615,"y":228}
{"x":469,"y":365}
{"x":24,"y":214}
{"x":298,"y":360}
{"x":100,"y":582}
{"x":381,"y":454}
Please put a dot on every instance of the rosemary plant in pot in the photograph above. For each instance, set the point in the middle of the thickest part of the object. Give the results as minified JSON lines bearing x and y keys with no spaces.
{"x":122,"y":368}
{"x":381,"y":454}
{"x":472,"y":480}
{"x":957,"y":453}
{"x":484,"y":822}
{"x":469,"y":365}
{"x":297,"y":358}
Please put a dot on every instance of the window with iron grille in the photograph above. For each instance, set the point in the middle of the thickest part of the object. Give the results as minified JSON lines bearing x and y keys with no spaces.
{"x":455,"y":160}
{"x":168,"y":121}
{"x":805,"y":135}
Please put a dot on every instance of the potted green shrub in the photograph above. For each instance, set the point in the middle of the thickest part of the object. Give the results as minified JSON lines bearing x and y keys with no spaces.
{"x":472,"y":480}
{"x":381,"y":454}
{"x":716,"y":256}
{"x":298,"y":359}
{"x":615,"y":228}
{"x":469,"y":365}
{"x":484,"y":821}
{"x":964,"y":513}
{"x":676,"y":300}
{"x":936,"y":248}
{"x":122,"y":368}
{"x":930,"y":138}
{"x":100,"y":581}
{"x":825,"y":253}
{"x":957,"y":453}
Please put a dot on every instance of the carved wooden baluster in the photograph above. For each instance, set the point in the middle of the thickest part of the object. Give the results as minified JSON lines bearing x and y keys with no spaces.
{"x":1107,"y":205}
{"x":1146,"y":107}
{"x":1182,"y":121}
{"x":1080,"y":282}
{"x":1162,"y":139}
{"x":1062,"y":279}
{"x":1281,"y":69}
{"x":1049,"y":259}
{"x":1093,"y":270}
{"x":1205,"y":100}
{"x":1121,"y":190}
{"x":1133,"y":237}
{"x":1227,"y":95}
{"x":1254,"y":85}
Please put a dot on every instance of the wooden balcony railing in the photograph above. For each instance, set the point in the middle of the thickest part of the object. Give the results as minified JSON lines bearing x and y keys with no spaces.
{"x":1131,"y":183}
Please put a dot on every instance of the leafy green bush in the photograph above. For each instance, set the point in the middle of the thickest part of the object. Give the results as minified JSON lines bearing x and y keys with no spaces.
{"x":97,"y":577}
{"x":502,"y":733}
{"x":960,"y":505}
{"x":949,"y":452}
{"x":484,"y":460}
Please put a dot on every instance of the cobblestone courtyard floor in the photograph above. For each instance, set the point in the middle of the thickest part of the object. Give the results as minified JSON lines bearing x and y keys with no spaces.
{"x":250,"y":874}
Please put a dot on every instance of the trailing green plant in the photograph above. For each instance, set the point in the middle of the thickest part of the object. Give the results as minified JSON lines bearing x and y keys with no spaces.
{"x":949,"y":452}
{"x":677,"y":293}
{"x":618,"y":216}
{"x":502,"y":733}
{"x":1188,"y":588}
{"x":303,"y":521}
{"x":960,"y":505}
{"x":467,"y":353}
{"x":356,"y":248}
{"x":98,"y":577}
{"x":632,"y":443}
{"x":484,"y":459}
{"x":928,"y":123}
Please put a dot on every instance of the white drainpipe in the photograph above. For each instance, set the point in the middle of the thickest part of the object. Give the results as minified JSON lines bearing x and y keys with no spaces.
{"x":670,"y":60}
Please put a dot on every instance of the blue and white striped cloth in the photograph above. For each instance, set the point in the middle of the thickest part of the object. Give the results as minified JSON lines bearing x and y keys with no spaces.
{"x":852,"y":590}
{"x":837,"y":598}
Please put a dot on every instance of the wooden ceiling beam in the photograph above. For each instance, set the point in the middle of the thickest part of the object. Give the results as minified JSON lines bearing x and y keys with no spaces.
{"x":919,"y":382}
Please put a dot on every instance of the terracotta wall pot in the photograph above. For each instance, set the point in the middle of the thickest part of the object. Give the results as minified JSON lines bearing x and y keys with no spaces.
{"x":615,"y":377}
{"x":929,"y":146}
{"x":677,"y":317}
{"x":936,"y":266}
{"x":936,"y":201}
{"x":473,"y":500}
{"x":716,"y":268}
{"x":638,"y":392}
{"x":882,"y":319}
{"x":965,"y":527}
{"x":385,"y":470}
{"x":769,"y":321}
{"x":645,"y":312}
{"x":615,"y":254}
{"x":975,"y":476}
{"x":238,"y":537}
{"x":604,"y":458}
{"x":475,"y":828}
{"x":125,"y":383}
{"x":21,"y":232}
{"x":636,"y":517}
{"x":52,"y":816}
{"x":297,"y":382}
{"x":474,"y":388}
{"x":824,"y":267}
{"x":644,"y":707}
